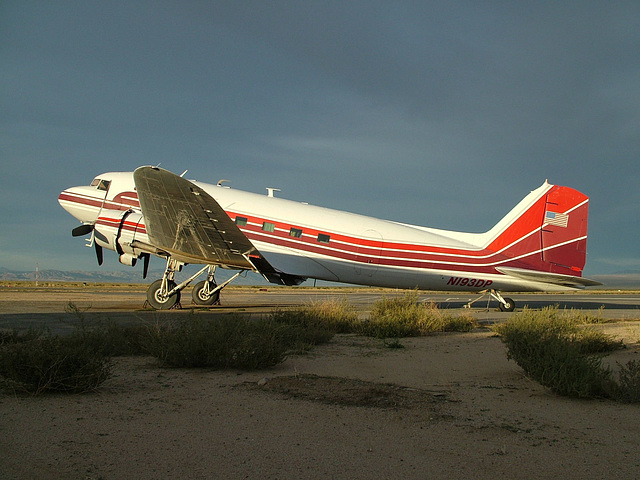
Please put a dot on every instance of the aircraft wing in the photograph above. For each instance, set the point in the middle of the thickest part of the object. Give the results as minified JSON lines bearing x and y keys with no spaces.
{"x":186,"y":222}
{"x":546,"y":277}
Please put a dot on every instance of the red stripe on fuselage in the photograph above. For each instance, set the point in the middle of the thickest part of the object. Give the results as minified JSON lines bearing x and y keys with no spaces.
{"x":517,"y":241}
{"x":127,"y":226}
{"x":122,"y":202}
{"x":127,"y":198}
{"x":365,"y":247}
{"x":337,"y":251}
{"x":80,"y":199}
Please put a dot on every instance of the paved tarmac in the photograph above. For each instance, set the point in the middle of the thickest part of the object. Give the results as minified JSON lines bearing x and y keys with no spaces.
{"x":61,"y":307}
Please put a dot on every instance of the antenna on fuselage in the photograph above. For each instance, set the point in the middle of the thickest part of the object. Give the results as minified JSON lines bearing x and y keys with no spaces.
{"x":183,"y":173}
{"x":270,"y":191}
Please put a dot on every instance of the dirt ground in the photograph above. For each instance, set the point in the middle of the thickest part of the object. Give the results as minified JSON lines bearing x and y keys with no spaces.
{"x":444,"y":406}
{"x":457,"y":408}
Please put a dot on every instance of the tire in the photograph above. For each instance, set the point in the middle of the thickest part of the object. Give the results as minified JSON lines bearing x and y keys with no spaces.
{"x":199,"y":298}
{"x":508,"y":306}
{"x":162,"y":303}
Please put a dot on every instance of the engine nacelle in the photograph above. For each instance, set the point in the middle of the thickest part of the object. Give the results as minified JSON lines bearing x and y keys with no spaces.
{"x":128,"y":259}
{"x":117,"y":229}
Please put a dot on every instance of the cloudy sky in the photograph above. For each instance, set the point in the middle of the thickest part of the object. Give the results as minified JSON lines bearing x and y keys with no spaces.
{"x":443,"y":114}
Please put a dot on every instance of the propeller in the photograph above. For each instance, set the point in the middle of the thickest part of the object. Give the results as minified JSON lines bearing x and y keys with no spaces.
{"x":84,"y":229}
{"x":145,"y":266}
{"x":98,"y":253}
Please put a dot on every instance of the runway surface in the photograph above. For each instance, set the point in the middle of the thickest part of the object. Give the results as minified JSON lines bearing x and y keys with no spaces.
{"x":61,"y":307}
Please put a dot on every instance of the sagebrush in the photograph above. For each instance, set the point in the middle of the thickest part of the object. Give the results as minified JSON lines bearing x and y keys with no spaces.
{"x":46,"y":363}
{"x":555,"y":348}
{"x":406,"y":316}
{"x":235,"y":341}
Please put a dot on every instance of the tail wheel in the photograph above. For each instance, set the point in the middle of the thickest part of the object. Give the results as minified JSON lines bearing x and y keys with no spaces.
{"x":508,"y":306}
{"x":157,"y":300}
{"x":201,"y":295}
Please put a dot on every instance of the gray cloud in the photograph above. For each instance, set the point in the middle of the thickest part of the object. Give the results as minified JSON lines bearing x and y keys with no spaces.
{"x":439,"y":114}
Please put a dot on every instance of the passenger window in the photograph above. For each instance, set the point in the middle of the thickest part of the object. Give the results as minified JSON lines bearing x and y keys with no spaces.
{"x":241,"y":221}
{"x":323,"y":238}
{"x":295,"y":232}
{"x":268,"y":227}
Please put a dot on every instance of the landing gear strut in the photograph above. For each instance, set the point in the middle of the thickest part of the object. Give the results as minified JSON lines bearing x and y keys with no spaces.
{"x":206,"y":291}
{"x":164,"y":294}
{"x":504,"y":304}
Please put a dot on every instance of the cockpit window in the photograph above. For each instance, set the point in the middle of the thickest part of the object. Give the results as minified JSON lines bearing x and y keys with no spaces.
{"x":101,"y":184}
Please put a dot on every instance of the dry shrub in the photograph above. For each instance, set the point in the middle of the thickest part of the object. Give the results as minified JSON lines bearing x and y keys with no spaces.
{"x":240,"y":342}
{"x":553,"y":348}
{"x":335,"y":316}
{"x":406,"y":316}
{"x":627,"y":389}
{"x":50,"y":363}
{"x":226,"y":342}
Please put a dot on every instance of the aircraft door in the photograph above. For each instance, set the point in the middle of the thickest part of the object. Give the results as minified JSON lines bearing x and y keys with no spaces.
{"x":368,"y":253}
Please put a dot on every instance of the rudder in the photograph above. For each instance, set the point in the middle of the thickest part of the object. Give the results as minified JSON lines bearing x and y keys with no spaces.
{"x":564,"y":231}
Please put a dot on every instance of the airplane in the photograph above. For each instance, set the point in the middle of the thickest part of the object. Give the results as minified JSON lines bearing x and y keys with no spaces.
{"x":540,"y":245}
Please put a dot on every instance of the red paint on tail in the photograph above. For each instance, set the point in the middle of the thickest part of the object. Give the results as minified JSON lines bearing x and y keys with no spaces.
{"x":550,"y":235}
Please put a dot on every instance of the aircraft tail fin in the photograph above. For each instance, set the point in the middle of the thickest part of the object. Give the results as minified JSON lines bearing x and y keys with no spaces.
{"x":545,"y":232}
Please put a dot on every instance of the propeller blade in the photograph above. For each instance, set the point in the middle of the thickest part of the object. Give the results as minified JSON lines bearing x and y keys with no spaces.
{"x":145,"y":266}
{"x":98,"y":253}
{"x":82,"y":230}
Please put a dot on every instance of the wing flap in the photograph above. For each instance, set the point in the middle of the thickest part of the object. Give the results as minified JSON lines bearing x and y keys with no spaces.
{"x":546,"y":277}
{"x":185,"y":221}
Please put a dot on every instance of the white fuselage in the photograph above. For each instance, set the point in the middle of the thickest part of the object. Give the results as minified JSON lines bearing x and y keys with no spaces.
{"x":314,"y":242}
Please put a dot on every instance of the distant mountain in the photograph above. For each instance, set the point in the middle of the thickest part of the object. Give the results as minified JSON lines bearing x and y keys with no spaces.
{"x":124,"y":276}
{"x":75,"y":276}
{"x":626,"y":280}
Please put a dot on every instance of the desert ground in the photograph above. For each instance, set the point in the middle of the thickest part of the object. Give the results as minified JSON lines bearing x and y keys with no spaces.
{"x":444,"y":406}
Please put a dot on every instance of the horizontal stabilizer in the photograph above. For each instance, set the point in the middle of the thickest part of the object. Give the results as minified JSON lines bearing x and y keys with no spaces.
{"x":546,"y":277}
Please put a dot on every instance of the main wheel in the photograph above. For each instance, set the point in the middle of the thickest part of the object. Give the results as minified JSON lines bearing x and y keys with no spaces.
{"x":158,"y":301}
{"x":200,"y":297}
{"x":508,"y":306}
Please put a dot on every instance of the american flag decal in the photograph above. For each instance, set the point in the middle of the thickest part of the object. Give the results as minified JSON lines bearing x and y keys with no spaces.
{"x":558,"y":219}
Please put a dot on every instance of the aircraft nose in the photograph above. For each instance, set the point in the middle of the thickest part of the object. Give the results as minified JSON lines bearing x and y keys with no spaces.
{"x":81,"y":202}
